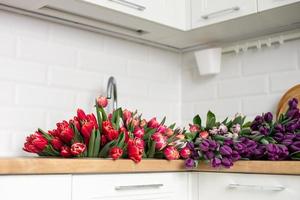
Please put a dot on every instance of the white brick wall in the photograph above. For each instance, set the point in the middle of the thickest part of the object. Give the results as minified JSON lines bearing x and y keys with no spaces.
{"x":250,"y":82}
{"x":48,"y":70}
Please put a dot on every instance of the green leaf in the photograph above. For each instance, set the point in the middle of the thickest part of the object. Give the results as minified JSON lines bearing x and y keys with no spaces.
{"x":190,"y":136}
{"x":104,"y":151}
{"x":197,"y":120}
{"x":247,"y":124}
{"x":148,"y":134}
{"x":45,"y":134}
{"x":77,"y":135}
{"x":103,"y":113}
{"x":295,"y":155}
{"x":97,"y":144}
{"x":99,"y":117}
{"x":91,"y":144}
{"x":121,"y":140}
{"x":264,"y":141}
{"x":172,"y":126}
{"x":163,"y":121}
{"x":151,"y":150}
{"x":225,"y":121}
{"x":210,"y":120}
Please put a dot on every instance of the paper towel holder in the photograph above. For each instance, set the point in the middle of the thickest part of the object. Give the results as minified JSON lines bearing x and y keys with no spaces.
{"x":208,"y":61}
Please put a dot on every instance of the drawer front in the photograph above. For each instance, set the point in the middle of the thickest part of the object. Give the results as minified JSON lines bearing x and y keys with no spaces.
{"x":205,"y":12}
{"x":214,"y":186}
{"x":35,"y":187}
{"x":269,"y":4}
{"x":146,"y":186}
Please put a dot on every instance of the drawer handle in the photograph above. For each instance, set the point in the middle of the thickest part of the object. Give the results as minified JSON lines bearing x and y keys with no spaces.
{"x":235,"y":8}
{"x":136,"y":187}
{"x":129,"y":4}
{"x":256,"y":187}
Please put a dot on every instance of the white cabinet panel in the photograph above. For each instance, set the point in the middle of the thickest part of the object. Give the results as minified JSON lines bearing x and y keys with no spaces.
{"x":205,"y":12}
{"x":158,"y":186}
{"x":35,"y":187}
{"x":268,"y":4}
{"x":214,"y":186}
{"x":168,"y":12}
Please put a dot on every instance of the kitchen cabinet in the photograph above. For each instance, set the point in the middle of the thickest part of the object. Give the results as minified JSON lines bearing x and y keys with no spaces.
{"x":35,"y":187}
{"x":214,"y":186}
{"x":205,"y":12}
{"x":167,"y":12}
{"x":269,"y":4}
{"x":146,"y":186}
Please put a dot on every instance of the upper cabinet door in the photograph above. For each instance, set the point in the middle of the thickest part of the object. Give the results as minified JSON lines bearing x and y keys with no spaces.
{"x":268,"y":4}
{"x":167,"y":12}
{"x":205,"y":12}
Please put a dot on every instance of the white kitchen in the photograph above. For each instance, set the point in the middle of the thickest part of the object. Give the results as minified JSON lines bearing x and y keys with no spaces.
{"x":142,"y":100}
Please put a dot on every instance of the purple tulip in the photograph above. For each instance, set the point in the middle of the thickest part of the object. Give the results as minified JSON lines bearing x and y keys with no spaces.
{"x":259,"y":152}
{"x":264,"y":130}
{"x":204,"y":146}
{"x":235,"y":156}
{"x":209,"y":155}
{"x":278,"y":136}
{"x":259,"y":119}
{"x":287,"y":142}
{"x":293,"y":103}
{"x":226,"y":162}
{"x":228,"y":141}
{"x":240,"y":147}
{"x":279,"y":128}
{"x":295,"y":146}
{"x":225,"y":150}
{"x":213,"y":145}
{"x":291,"y":127}
{"x":189,"y":163}
{"x":289,"y":136}
{"x":215,"y":162}
{"x":190,"y":145}
{"x":268,"y":117}
{"x":293,"y":113}
{"x":297,"y":137}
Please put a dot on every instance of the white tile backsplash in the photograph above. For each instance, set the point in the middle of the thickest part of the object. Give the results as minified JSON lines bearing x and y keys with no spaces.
{"x":48,"y":70}
{"x":251,"y":82}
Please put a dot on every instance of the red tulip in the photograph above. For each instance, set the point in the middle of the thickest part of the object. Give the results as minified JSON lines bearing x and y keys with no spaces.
{"x":138,"y":142}
{"x":103,"y":140}
{"x":81,"y":115}
{"x":134,"y":153}
{"x":88,"y":124}
{"x":56,"y":143}
{"x":65,"y":152}
{"x":139,"y":132}
{"x":109,"y":131}
{"x":124,"y":130}
{"x":153,"y":123}
{"x":115,"y":153}
{"x":185,"y":152}
{"x":35,"y":143}
{"x":171,"y":153}
{"x":102,"y":101}
{"x":76,"y":123}
{"x":66,"y":133}
{"x":77,"y":148}
{"x":161,"y":129}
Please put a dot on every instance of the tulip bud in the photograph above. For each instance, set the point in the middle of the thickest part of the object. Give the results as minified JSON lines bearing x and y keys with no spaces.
{"x":126,"y":114}
{"x":194,"y":128}
{"x":77,"y":148}
{"x":203,"y":134}
{"x":56,"y":143}
{"x":189,"y":163}
{"x":102,"y":101}
{"x":153,"y":123}
{"x":160,"y":140}
{"x":65,"y":152}
{"x":115,"y":153}
{"x":171,"y":153}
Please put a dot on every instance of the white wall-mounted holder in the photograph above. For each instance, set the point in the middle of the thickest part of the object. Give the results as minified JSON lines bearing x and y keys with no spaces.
{"x":209,"y":61}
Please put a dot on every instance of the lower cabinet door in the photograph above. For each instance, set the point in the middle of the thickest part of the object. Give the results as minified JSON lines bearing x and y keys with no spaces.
{"x":35,"y":187}
{"x":228,"y":186}
{"x":144,"y":186}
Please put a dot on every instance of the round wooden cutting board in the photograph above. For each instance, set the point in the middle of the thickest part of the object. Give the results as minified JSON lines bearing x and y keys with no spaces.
{"x":293,"y":92}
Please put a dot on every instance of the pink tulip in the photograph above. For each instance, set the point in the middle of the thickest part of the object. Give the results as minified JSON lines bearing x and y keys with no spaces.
{"x":139,"y":132}
{"x":160,"y":140}
{"x":169,"y":132}
{"x":171,"y":153}
{"x":126,"y":115}
{"x":161,"y":129}
{"x":102,"y":101}
{"x":185,"y":152}
{"x":194,"y":128}
{"x":153,"y":123}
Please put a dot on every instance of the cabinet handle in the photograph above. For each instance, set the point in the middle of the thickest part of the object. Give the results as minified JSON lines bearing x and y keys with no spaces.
{"x":136,"y":187}
{"x":129,"y":4}
{"x":256,"y":187}
{"x":235,"y":8}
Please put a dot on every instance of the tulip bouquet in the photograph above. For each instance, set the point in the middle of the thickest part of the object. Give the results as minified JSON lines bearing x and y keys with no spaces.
{"x":222,"y":143}
{"x":121,"y":134}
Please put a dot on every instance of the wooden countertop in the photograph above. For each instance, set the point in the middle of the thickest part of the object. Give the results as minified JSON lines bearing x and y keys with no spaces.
{"x":87,"y":166}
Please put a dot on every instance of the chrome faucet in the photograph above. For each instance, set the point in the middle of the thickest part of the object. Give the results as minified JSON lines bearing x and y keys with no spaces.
{"x":112,"y":91}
